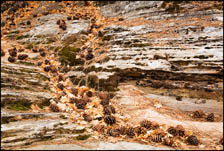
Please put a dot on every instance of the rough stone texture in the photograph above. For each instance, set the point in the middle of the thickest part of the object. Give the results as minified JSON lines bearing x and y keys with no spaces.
{"x":23,"y":84}
{"x":168,"y":55}
{"x":46,"y":27}
{"x":100,"y":146}
{"x":171,"y":47}
{"x":48,"y":126}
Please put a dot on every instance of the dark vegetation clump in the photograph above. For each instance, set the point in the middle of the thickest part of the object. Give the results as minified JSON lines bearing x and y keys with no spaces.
{"x":46,"y":61}
{"x":81,"y":105}
{"x":122,"y":130}
{"x":104,"y":102}
{"x":210,"y":117}
{"x":39,"y":63}
{"x":180,"y":130}
{"x":100,"y":34}
{"x":21,"y":50}
{"x":113,"y":132}
{"x":47,"y":68}
{"x":172,"y":131}
{"x":98,"y":118}
{"x":34,"y":50}
{"x":146,"y":123}
{"x":75,"y":18}
{"x":63,"y":27}
{"x":60,"y":86}
{"x":87,"y":117}
{"x":140,"y":130}
{"x":198,"y":114}
{"x":108,"y":110}
{"x":53,"y":69}
{"x":74,"y":100}
{"x":172,"y":6}
{"x":74,"y":91}
{"x":60,"y":78}
{"x":89,"y":93}
{"x":121,"y":19}
{"x":61,"y":24}
{"x":58,"y":22}
{"x":89,"y":56}
{"x":42,"y":53}
{"x":156,"y":138}
{"x":109,"y":119}
{"x":154,"y":125}
{"x":130,"y":132}
{"x":22,"y":56}
{"x":69,"y":18}
{"x":12,"y":52}
{"x":192,"y":140}
{"x":98,"y":128}
{"x":41,"y":49}
{"x":11,"y":59}
{"x":168,"y":141}
{"x":28,"y":22}
{"x":54,"y":108}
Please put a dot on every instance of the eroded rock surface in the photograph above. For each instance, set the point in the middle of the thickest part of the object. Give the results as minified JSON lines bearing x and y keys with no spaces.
{"x":160,"y":49}
{"x":159,"y":61}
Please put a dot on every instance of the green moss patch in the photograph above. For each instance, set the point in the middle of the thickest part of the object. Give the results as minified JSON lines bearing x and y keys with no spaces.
{"x":29,"y":46}
{"x":26,"y":63}
{"x":67,"y":55}
{"x":107,"y":38}
{"x":41,"y":77}
{"x":4,"y":121}
{"x":92,"y":81}
{"x":18,"y":107}
{"x":18,"y":37}
{"x":63,"y":117}
{"x":92,"y":68}
{"x":78,"y":131}
{"x":82,"y":137}
{"x":15,"y":103}
{"x":141,"y":44}
{"x":44,"y":103}
{"x":218,"y":6}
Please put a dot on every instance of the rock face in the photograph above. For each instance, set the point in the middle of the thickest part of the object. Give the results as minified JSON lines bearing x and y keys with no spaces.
{"x":184,"y":49}
{"x":23,"y":85}
{"x":46,"y":27}
{"x":41,"y":126}
{"x":171,"y":50}
{"x":101,"y":146}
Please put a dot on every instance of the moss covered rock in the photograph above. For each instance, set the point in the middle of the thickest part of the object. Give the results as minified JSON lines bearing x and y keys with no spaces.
{"x":67,"y":55}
